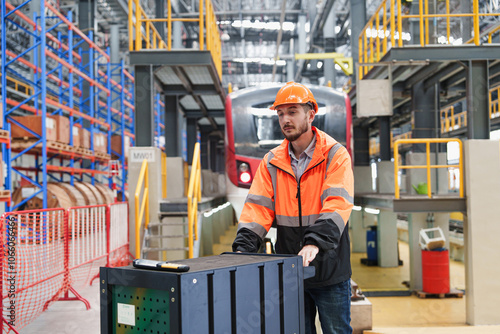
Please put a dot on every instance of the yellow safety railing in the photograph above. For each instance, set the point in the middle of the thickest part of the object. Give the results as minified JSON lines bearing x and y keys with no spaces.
{"x":147,"y":37}
{"x":193,"y":197}
{"x":19,"y":86}
{"x":494,"y":102}
{"x":164,"y":175}
{"x":385,"y":28}
{"x":140,"y":31}
{"x":428,"y":166}
{"x":186,"y":177}
{"x":406,"y":135}
{"x":373,"y":147}
{"x":142,"y":209}
{"x":451,"y":121}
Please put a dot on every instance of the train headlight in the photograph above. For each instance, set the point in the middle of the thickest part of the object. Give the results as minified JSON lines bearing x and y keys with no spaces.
{"x":244,"y":174}
{"x":245,"y":177}
{"x":243,"y":167}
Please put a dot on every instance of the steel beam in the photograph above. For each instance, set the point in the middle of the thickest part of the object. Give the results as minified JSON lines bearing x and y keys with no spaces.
{"x":384,"y":123}
{"x":144,"y":102}
{"x":192,"y":137}
{"x":423,"y":111}
{"x":478,"y":119}
{"x":361,"y":144}
{"x":358,"y":21}
{"x":172,"y":133}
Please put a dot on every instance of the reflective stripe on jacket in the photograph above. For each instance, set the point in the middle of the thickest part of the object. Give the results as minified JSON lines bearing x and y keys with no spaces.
{"x":314,"y":210}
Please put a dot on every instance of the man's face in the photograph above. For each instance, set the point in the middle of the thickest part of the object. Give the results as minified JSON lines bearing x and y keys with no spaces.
{"x":295,"y":119}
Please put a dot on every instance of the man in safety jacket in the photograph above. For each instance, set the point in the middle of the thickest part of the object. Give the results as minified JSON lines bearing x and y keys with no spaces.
{"x":305,"y":186}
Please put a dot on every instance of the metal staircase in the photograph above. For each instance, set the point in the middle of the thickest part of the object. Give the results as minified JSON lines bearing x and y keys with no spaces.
{"x":167,"y":239}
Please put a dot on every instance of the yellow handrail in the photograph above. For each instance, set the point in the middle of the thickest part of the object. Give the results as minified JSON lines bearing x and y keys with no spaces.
{"x":428,"y":166}
{"x":142,"y":182}
{"x":18,"y":85}
{"x":494,"y":103}
{"x":388,"y":21}
{"x":209,"y":35}
{"x":164,"y":175}
{"x":193,"y":197}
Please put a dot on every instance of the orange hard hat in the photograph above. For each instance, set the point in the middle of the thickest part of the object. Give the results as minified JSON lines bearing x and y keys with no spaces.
{"x":294,"y":92}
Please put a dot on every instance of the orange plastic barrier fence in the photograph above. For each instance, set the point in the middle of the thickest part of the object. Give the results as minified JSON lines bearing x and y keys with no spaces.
{"x":33,"y":266}
{"x":87,"y":249}
{"x":48,"y":254}
{"x":118,"y":252}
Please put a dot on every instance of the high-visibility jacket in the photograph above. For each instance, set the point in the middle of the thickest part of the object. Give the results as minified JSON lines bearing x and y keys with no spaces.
{"x":311,"y":211}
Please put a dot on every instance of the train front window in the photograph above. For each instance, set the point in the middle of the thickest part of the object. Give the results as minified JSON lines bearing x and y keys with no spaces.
{"x":268,"y":129}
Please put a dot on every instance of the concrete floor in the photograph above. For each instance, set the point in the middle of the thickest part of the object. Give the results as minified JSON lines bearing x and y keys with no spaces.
{"x":69,"y":317}
{"x":391,"y":315}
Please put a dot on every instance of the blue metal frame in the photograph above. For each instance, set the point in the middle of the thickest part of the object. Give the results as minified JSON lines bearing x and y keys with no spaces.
{"x":64,"y":95}
{"x":159,"y":123}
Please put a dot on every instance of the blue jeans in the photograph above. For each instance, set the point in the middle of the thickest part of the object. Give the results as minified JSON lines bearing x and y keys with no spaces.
{"x":334,"y":307}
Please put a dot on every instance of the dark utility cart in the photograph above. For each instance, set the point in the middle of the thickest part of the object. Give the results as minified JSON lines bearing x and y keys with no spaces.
{"x":231,"y":293}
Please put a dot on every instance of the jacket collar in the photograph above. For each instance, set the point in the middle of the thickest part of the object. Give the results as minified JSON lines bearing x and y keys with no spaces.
{"x":282,"y":159}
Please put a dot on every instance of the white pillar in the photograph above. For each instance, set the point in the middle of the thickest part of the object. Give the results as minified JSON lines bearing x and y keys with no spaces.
{"x":387,"y":239}
{"x":482,"y":231}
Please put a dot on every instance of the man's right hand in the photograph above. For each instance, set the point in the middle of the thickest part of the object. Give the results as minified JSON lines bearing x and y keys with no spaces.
{"x":308,"y":253}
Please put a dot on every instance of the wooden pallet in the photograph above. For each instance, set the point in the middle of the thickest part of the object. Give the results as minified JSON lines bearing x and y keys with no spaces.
{"x":84,"y":151}
{"x":59,"y":146}
{"x":20,"y":144}
{"x":454,"y":293}
{"x":103,"y":156}
{"x":4,"y":193}
{"x":4,"y":134}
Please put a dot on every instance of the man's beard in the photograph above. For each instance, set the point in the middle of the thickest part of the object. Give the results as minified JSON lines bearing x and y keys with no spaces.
{"x":293,"y":137}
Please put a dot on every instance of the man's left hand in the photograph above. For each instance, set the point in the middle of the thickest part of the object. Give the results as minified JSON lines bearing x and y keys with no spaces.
{"x":308,"y":253}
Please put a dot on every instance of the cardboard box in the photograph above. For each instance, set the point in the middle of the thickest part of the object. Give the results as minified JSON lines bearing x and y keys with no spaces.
{"x":62,"y":127}
{"x":76,"y":136}
{"x":116,"y":144}
{"x":100,"y":143}
{"x":34,"y":123}
{"x":85,"y":138}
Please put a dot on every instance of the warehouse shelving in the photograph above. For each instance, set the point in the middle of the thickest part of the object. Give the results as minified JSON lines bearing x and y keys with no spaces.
{"x":159,"y":123}
{"x":65,"y":74}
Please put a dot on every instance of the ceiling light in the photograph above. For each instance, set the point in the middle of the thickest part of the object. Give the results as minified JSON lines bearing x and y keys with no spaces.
{"x":225,"y":36}
{"x":287,"y":26}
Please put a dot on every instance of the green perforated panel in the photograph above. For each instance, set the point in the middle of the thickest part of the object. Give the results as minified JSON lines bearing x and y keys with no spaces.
{"x":140,"y":310}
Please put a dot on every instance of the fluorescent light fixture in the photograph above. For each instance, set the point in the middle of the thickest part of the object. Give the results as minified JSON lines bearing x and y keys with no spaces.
{"x":287,"y":26}
{"x":372,"y":211}
{"x":263,"y":84}
{"x":442,"y":40}
{"x":381,"y":34}
{"x":263,"y":61}
{"x":356,"y":208}
{"x":337,"y":29}
{"x":319,"y":64}
{"x":266,"y":112}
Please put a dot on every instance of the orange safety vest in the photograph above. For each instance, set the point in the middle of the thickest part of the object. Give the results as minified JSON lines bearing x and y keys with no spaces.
{"x":314,"y":210}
